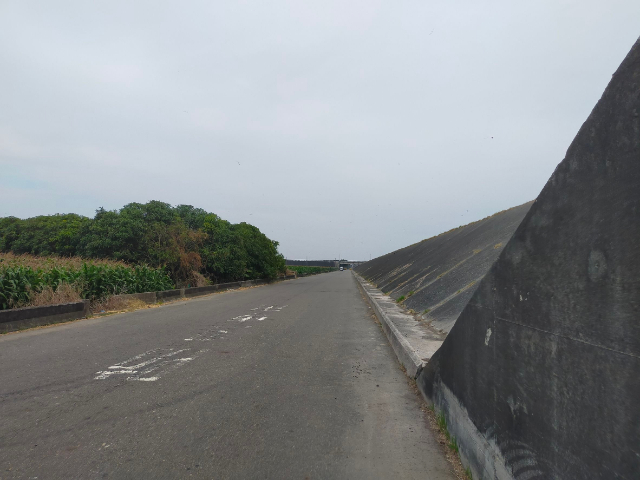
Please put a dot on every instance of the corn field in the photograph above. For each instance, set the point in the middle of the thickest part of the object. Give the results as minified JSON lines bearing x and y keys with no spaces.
{"x":23,"y":276}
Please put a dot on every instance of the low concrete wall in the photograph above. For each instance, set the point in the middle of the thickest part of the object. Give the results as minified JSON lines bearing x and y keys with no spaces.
{"x":167,"y":295}
{"x":312,"y":263}
{"x":170,"y":294}
{"x":147,"y":297}
{"x":19,"y":318}
{"x":206,"y":290}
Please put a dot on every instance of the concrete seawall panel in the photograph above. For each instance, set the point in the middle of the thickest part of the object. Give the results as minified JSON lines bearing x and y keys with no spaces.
{"x":444,"y":271}
{"x":543,"y":365}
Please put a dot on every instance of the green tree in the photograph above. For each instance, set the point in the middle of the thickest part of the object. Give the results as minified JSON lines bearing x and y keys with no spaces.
{"x":44,"y":235}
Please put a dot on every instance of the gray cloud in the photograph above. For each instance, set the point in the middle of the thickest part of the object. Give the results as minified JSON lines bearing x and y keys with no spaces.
{"x":337,"y":128}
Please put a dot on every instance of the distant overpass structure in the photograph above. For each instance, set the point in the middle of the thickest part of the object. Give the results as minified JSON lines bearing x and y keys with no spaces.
{"x":324,"y":263}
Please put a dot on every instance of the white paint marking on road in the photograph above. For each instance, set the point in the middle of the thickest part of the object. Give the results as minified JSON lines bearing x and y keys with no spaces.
{"x":162,"y":363}
{"x":171,"y":364}
{"x":107,"y":373}
{"x":222,"y":331}
{"x":268,"y":308}
{"x":261,"y":319}
{"x":188,"y":339}
{"x":245,"y":318}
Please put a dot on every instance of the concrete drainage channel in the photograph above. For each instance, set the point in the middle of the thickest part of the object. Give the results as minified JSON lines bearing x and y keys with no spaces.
{"x":414,"y":344}
{"x":29,"y":317}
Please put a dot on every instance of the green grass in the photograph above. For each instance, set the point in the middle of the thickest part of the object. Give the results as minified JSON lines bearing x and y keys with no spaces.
{"x":411,"y":292}
{"x":401,"y":299}
{"x":442,"y":424}
{"x":444,"y":428}
{"x":426,"y":310}
{"x":453,"y":442}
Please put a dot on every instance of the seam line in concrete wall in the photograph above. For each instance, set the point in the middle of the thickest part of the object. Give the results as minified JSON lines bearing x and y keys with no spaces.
{"x":567,"y":337}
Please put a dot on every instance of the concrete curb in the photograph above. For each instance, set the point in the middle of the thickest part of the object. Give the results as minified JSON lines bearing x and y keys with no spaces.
{"x":404,"y":351}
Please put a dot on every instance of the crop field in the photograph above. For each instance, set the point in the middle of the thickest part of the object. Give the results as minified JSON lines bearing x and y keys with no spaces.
{"x":24,"y":279}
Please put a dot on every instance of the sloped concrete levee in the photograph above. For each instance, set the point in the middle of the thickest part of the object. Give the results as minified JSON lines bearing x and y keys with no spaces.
{"x":545,"y":359}
{"x":539,"y":376}
{"x":439,"y":275}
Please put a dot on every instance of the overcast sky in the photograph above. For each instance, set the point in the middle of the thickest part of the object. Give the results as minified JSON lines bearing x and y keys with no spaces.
{"x":339,"y":128}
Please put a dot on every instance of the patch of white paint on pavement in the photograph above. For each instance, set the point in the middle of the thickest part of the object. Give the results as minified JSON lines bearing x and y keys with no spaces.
{"x":160,"y":364}
{"x":261,"y":319}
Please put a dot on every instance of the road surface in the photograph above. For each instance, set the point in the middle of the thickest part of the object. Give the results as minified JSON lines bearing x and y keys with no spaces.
{"x":287,"y":381}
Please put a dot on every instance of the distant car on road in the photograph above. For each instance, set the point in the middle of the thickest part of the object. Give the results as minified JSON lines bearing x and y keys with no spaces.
{"x":341,"y":268}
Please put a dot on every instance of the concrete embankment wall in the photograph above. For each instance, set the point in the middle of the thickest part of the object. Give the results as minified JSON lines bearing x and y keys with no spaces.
{"x":444,"y":271}
{"x":540,"y":375}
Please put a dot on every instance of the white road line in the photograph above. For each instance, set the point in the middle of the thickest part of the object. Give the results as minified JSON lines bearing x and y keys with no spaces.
{"x":161,"y":363}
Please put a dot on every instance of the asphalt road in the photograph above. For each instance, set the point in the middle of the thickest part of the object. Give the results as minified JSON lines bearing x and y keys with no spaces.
{"x":287,"y":381}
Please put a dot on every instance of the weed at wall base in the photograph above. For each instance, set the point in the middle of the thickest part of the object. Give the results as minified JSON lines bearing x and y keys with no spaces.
{"x":452,"y":441}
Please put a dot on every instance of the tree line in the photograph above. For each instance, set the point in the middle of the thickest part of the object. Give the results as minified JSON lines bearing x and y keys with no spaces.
{"x":181,"y":239}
